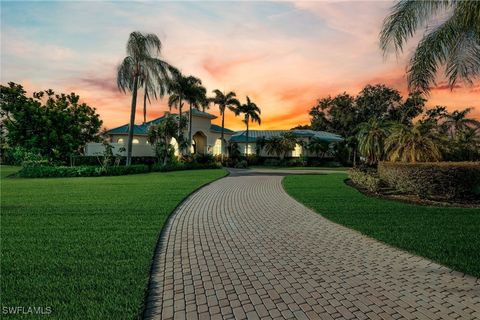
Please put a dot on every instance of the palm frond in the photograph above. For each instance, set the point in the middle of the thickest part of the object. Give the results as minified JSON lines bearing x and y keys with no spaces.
{"x":405,"y":18}
{"x":431,"y":52}
{"x":125,"y":74}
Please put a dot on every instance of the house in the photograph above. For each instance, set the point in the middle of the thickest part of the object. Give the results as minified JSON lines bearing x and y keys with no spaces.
{"x":206,"y":138}
{"x":302,"y":136}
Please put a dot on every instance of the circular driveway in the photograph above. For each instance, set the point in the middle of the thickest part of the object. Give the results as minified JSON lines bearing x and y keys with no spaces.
{"x":242,"y":248}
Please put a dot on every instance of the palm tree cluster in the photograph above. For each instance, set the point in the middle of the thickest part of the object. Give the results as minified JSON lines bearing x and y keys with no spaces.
{"x":438,"y":135}
{"x":143,"y":68}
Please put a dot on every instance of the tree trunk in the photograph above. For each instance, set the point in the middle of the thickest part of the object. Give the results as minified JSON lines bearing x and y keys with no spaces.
{"x":246,"y":144}
{"x":354,"y":157}
{"x":190,"y":130}
{"x":165,"y":158}
{"x":132,"y":121}
{"x":180,"y":133}
{"x":145,"y":105}
{"x":221,"y":136}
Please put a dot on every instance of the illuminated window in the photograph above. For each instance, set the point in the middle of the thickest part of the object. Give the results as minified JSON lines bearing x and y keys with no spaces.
{"x":120,"y":140}
{"x":251,"y":149}
{"x":174,"y":143}
{"x":297,"y":152}
{"x":135,"y":141}
{"x":217,"y":147}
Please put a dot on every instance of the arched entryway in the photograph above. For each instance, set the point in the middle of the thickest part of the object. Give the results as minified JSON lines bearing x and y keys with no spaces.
{"x":199,"y":143}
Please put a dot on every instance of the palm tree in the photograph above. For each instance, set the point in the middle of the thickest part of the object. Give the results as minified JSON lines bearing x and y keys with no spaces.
{"x":286,"y":142}
{"x":318,"y":147}
{"x":184,"y":89}
{"x":273,"y":146}
{"x":161,"y":135}
{"x":251,"y":112}
{"x":412,"y":144}
{"x":150,"y":89}
{"x":224,"y":101}
{"x":454,"y":43}
{"x":371,"y":138}
{"x":138,"y":66}
{"x":177,"y":91}
{"x":196,"y":96}
{"x":458,"y":121}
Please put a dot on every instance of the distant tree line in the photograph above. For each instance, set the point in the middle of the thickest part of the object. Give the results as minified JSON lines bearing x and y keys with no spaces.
{"x":378,"y":124}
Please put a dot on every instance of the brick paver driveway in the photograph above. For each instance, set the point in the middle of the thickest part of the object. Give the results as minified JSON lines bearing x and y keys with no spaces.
{"x":242,"y":248}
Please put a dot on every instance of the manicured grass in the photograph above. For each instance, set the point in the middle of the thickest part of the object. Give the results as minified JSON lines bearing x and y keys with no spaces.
{"x":83,"y":246}
{"x":450,"y":236}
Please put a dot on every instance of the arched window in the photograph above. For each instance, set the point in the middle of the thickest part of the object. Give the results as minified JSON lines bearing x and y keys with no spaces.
{"x":120,"y":140}
{"x":135,"y":141}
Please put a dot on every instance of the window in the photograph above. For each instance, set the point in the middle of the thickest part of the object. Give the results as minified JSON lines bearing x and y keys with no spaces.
{"x":217,"y":147}
{"x":120,"y":140}
{"x":297,"y":152}
{"x":135,"y":141}
{"x":251,"y":149}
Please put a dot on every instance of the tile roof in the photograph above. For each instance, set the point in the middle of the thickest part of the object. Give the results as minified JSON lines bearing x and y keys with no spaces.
{"x":142,"y":129}
{"x":218,"y":129}
{"x":253,"y":135}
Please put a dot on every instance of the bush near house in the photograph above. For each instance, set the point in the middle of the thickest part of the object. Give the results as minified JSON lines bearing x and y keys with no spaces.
{"x":433,"y":180}
{"x":46,"y":171}
{"x":365,"y":178}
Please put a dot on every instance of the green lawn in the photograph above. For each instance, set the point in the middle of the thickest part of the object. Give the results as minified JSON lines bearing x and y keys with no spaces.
{"x":83,"y":246}
{"x":450,"y":236}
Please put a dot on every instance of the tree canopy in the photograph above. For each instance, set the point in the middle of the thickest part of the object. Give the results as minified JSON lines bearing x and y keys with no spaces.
{"x":54,"y":125}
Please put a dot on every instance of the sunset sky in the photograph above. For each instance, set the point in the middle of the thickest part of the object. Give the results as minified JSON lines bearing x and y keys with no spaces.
{"x":284,"y":55}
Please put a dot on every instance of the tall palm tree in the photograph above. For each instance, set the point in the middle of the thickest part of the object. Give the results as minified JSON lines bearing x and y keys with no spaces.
{"x":180,"y":90}
{"x":458,"y":121}
{"x":224,"y":101}
{"x":196,"y":96}
{"x":411,"y":144}
{"x":142,"y":62}
{"x":154,"y":90}
{"x":252,"y":113}
{"x":371,"y":138}
{"x":454,"y":43}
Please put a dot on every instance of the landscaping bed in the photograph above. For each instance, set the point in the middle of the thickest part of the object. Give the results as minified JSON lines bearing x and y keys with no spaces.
{"x":84,"y":246}
{"x":448,"y":235}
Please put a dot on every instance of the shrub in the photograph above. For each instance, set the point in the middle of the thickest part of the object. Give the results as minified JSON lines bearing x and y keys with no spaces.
{"x":365,"y":178}
{"x":203,"y":158}
{"x":433,"y":180}
{"x":272,"y":162}
{"x":184,"y":166}
{"x":96,"y":160}
{"x":42,"y":171}
{"x":241,"y":164}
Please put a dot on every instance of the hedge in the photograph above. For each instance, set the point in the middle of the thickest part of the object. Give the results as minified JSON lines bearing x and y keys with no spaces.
{"x":366,"y":179}
{"x":95,"y":161}
{"x":184,"y":166}
{"x":38,"y":170}
{"x":433,"y":180}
